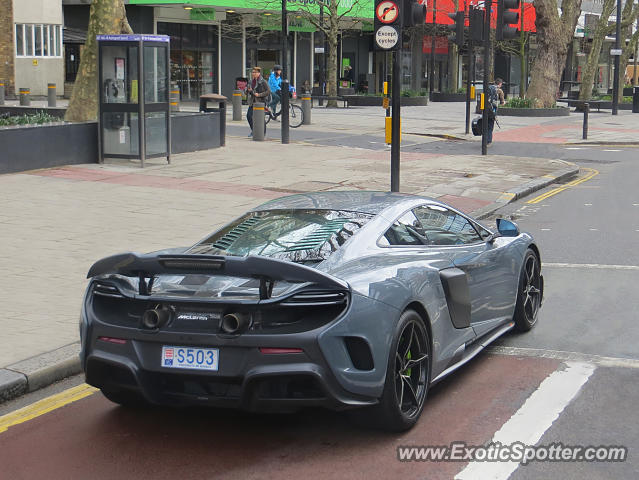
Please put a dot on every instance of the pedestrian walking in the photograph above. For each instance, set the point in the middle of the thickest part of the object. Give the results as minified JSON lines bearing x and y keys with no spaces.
{"x":257,"y":90}
{"x":492,"y":106}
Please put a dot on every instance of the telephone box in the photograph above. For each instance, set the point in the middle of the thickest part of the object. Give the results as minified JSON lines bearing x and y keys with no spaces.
{"x":133,"y":73}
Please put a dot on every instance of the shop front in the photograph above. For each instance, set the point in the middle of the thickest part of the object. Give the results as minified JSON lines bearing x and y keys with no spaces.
{"x":193,"y":57}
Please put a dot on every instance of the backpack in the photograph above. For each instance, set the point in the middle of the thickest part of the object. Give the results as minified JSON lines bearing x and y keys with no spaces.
{"x":493,"y":97}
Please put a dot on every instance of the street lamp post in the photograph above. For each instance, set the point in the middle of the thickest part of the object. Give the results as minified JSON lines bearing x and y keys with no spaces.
{"x":284,"y":89}
{"x":431,"y":80}
{"x":615,"y":81}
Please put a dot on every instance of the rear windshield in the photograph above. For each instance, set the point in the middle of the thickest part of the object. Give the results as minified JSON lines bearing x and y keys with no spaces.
{"x":294,"y":235}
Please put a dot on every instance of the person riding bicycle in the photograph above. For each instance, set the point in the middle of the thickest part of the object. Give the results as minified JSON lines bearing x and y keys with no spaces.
{"x":275,"y":84}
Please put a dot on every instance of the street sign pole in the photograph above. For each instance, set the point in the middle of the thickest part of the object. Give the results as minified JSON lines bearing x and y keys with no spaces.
{"x":484,"y":117}
{"x":388,"y":30}
{"x":395,"y":122}
{"x":284,"y":93}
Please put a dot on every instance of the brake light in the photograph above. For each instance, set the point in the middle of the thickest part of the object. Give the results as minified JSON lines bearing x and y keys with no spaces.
{"x":279,"y":351}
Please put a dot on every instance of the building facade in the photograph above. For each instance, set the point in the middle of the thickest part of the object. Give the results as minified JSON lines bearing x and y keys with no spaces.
{"x":36,"y":44}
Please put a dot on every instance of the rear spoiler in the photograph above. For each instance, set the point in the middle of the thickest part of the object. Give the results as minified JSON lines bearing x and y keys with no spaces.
{"x":267,"y":270}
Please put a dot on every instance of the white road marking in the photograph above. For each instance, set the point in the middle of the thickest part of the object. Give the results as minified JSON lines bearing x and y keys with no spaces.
{"x":593,"y":229}
{"x":535,"y":416}
{"x":564,"y":356}
{"x":545,"y":229}
{"x":635,"y":204}
{"x":588,"y":204}
{"x":591,"y":266}
{"x":575,"y":148}
{"x":612,"y":150}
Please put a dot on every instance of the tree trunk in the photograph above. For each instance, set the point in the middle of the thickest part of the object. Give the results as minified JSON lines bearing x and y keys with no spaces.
{"x":554,"y":34}
{"x":629,"y":49}
{"x":106,"y":17}
{"x":590,"y":69}
{"x":331,"y":38}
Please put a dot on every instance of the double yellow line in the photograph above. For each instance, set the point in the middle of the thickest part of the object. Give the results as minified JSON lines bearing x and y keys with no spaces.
{"x":591,"y":173}
{"x":45,"y":405}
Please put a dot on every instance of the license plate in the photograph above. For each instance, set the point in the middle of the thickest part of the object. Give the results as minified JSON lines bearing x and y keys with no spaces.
{"x":190,"y":357}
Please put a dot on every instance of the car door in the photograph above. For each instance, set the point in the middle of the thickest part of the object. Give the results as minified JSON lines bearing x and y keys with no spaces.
{"x":486,"y":263}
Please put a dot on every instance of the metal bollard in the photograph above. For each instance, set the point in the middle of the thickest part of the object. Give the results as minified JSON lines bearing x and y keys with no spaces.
{"x":259,"y":126}
{"x":51,"y":94}
{"x":635,"y":99}
{"x":222,"y":110}
{"x":237,"y":105}
{"x":174,"y":98}
{"x":1,"y":93}
{"x":306,"y":109}
{"x":25,"y":97}
{"x":586,"y":110}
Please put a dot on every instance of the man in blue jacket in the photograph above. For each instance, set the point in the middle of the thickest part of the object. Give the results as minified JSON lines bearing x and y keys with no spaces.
{"x":275,"y":84}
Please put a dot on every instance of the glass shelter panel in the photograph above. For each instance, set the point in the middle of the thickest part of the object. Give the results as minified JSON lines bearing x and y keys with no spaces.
{"x":119,"y":74}
{"x":156,"y":89}
{"x":155,"y":130}
{"x":120,"y":133}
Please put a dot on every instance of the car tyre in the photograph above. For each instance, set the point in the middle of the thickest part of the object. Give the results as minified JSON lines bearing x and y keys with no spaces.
{"x":529,"y":293}
{"x":125,"y":398}
{"x":407,"y":375}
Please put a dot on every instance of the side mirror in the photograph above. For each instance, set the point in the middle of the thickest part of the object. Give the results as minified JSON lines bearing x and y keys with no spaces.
{"x":507,"y":228}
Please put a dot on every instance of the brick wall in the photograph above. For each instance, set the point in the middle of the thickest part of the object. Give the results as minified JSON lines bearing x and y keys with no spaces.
{"x":7,"y":48}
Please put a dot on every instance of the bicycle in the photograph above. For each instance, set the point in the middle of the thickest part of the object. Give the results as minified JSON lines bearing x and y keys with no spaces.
{"x":295,"y":114}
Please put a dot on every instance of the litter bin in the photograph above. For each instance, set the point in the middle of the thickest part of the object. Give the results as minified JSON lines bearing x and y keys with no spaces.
{"x":221,"y":101}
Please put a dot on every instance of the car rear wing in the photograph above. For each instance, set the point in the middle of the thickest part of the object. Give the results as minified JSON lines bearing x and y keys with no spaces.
{"x":267,"y":270}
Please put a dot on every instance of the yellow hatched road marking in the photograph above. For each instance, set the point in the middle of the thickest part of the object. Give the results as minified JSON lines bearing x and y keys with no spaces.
{"x":591,"y":173}
{"x":45,"y":405}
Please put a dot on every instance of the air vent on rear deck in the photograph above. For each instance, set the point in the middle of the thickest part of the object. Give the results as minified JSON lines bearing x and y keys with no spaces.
{"x":316,"y":298}
{"x":106,"y":290}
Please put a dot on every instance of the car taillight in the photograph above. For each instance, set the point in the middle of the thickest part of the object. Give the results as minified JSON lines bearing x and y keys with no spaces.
{"x":276,"y":351}
{"x":118,"y":341}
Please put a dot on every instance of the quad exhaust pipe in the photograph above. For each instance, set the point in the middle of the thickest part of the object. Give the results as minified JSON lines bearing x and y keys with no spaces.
{"x":233,"y":323}
{"x":156,"y":317}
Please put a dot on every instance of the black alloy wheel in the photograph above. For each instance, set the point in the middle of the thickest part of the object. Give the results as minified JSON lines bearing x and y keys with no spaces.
{"x":529,"y":296}
{"x":407,"y":375}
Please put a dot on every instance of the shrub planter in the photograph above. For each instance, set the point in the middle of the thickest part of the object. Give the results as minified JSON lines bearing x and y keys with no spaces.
{"x":372,"y":101}
{"x":448,"y":97}
{"x":533,"y":112}
{"x":48,"y":145}
{"x":18,"y":110}
{"x":55,"y":144}
{"x":191,"y":132}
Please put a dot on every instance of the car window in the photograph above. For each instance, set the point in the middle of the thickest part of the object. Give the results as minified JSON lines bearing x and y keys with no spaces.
{"x":407,"y":230}
{"x":294,"y":235}
{"x":442,"y":226}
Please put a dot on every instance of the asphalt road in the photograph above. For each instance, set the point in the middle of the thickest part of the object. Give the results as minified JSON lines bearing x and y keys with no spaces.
{"x":588,"y":234}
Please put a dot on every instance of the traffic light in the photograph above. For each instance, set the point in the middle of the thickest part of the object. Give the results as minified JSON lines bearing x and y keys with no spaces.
{"x":458,"y":18}
{"x":414,"y":13}
{"x":476,"y":24}
{"x":507,"y":14}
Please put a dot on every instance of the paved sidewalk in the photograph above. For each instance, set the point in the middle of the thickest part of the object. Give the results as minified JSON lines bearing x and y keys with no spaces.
{"x":55,"y":223}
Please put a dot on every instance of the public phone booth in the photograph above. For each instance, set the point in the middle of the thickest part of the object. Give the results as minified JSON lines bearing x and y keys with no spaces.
{"x":134,"y":120}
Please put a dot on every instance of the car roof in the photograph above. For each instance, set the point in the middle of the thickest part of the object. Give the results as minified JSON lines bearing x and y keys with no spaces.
{"x":351,"y":201}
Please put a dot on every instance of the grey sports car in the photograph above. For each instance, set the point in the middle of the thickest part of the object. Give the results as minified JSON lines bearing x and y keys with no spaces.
{"x":337,"y":299}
